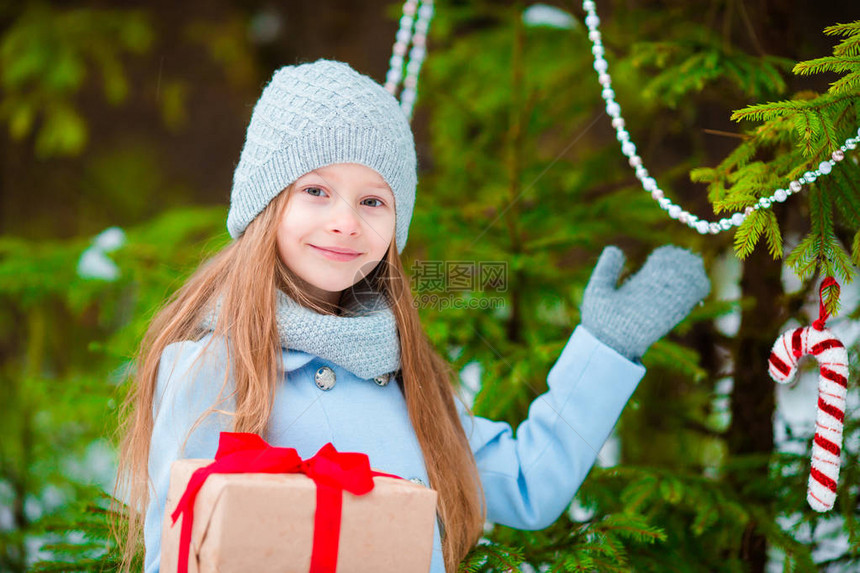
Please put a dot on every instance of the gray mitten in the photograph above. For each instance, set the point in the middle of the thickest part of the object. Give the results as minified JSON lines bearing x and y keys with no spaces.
{"x":647,"y":306}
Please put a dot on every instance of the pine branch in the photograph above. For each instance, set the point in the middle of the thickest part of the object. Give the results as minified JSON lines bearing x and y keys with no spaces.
{"x":855,"y":249}
{"x":766,"y":111}
{"x":774,"y":237}
{"x":827,"y":64}
{"x":96,"y":550}
{"x":491,"y":556}
{"x":749,"y":232}
{"x":820,"y":249}
{"x":846,"y":196}
{"x":772,"y":110}
{"x":635,"y":527}
{"x":848,"y":29}
{"x":849,"y":83}
{"x":803,"y":132}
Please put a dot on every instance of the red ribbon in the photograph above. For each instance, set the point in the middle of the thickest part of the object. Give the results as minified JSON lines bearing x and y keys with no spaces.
{"x":332,"y":472}
{"x":822,"y":311}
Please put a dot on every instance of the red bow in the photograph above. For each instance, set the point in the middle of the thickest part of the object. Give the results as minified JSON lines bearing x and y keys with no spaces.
{"x":822,"y":310}
{"x":332,"y":471}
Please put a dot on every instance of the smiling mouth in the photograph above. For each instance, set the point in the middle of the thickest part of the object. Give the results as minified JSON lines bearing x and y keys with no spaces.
{"x":334,"y":255}
{"x":338,"y":251}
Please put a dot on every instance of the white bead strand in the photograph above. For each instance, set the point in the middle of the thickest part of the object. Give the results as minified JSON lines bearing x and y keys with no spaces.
{"x":405,"y":34}
{"x":628,"y":148}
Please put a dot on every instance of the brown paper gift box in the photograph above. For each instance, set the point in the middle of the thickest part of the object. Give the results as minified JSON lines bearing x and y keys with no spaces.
{"x":264,"y":522}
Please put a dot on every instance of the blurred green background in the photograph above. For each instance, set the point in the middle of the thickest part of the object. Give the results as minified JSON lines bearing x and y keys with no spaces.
{"x":122,"y":124}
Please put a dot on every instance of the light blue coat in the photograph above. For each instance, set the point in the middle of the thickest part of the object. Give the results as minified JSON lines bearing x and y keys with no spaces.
{"x":528,"y":479}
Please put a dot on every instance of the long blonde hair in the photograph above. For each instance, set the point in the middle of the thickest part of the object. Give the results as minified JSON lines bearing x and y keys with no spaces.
{"x":245,"y":276}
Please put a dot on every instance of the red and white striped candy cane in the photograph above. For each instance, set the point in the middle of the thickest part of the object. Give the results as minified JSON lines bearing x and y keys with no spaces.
{"x":832,"y":388}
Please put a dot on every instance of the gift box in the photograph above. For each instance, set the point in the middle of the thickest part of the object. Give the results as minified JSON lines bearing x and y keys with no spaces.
{"x":268,"y":521}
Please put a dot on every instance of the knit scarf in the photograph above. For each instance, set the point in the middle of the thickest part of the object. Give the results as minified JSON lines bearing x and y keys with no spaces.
{"x":363,"y":340}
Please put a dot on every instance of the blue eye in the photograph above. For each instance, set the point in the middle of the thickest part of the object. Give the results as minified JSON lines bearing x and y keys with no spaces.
{"x":381,"y":204}
{"x":313,"y":188}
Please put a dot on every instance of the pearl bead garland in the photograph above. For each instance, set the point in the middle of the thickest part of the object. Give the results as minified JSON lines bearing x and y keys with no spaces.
{"x":416,"y":54}
{"x":628,"y":148}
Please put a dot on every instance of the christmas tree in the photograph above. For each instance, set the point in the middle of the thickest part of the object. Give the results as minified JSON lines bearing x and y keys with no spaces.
{"x":133,"y":119}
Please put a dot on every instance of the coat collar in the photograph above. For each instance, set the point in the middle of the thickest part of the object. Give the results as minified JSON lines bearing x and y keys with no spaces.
{"x":295,"y":359}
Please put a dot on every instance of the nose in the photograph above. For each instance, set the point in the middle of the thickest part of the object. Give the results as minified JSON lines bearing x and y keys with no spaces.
{"x":344,"y":219}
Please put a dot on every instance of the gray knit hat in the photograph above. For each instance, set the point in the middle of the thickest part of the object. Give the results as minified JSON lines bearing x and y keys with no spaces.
{"x":316,"y":114}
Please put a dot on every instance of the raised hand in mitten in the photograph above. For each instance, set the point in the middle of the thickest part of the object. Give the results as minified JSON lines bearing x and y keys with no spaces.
{"x":631,"y":317}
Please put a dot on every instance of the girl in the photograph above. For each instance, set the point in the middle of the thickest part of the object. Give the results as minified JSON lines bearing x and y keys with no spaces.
{"x":296,"y":329}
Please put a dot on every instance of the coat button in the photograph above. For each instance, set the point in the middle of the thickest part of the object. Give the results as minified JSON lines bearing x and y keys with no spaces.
{"x":419,"y":481}
{"x":383,"y":379}
{"x":325,"y":378}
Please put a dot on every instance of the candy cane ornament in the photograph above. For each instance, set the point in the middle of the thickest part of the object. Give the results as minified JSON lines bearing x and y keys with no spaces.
{"x":832,"y":388}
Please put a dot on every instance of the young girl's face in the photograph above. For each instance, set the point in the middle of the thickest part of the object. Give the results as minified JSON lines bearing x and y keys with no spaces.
{"x":344,"y":207}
